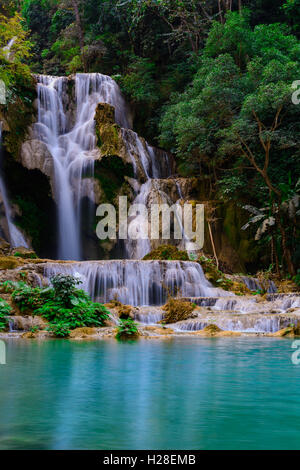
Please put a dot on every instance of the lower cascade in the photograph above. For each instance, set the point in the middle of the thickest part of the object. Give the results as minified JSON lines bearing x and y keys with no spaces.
{"x":137,"y":282}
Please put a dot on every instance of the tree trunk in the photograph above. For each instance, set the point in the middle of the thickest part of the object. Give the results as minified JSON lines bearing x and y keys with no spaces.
{"x":286,"y":251}
{"x":80,"y":32}
{"x":213,"y":244}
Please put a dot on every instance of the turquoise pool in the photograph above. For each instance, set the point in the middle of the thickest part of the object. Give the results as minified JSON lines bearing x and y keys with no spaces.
{"x":192,"y":393}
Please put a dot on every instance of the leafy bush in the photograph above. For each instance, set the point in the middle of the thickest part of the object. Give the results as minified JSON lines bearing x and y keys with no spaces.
{"x":30,"y":298}
{"x":60,"y":329}
{"x":86,"y":313}
{"x":65,"y":289}
{"x":127,"y":329}
{"x":5,"y":310}
{"x":70,"y":307}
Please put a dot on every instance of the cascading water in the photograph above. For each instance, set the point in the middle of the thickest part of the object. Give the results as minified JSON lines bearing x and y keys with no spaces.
{"x":15,"y":236}
{"x":137,"y":282}
{"x":154,"y":165}
{"x":71,"y":142}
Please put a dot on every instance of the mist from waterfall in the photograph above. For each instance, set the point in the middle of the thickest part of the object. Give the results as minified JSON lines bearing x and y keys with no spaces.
{"x":70,"y":138}
{"x":16,"y":237}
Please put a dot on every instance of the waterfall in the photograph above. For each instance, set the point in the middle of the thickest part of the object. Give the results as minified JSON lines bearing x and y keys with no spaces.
{"x":253,"y":284}
{"x":70,"y":138}
{"x":15,"y":236}
{"x":7,"y":49}
{"x":152,"y":165}
{"x":136,"y":282}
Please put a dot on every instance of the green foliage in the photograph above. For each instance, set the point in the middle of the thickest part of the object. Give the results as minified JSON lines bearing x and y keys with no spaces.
{"x":63,"y":305}
{"x":59,"y":329}
{"x":5,"y":310}
{"x":29,"y":255}
{"x":139,"y":83}
{"x":86,"y":313}
{"x":65,"y":291}
{"x":296,"y":278}
{"x":127,"y":329}
{"x":71,"y":306}
{"x":29,"y":299}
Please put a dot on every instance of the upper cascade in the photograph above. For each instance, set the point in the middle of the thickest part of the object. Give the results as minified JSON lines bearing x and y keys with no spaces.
{"x":68,"y":130}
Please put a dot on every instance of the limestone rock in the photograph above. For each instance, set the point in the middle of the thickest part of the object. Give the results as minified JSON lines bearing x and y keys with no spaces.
{"x":35,"y":155}
{"x":83,"y":332}
{"x":213,"y":330}
{"x":26,"y":323}
{"x":4,"y":247}
{"x":156,"y":330}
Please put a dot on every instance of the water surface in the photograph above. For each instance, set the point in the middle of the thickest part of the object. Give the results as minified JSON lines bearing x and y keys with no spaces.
{"x":193,"y":393}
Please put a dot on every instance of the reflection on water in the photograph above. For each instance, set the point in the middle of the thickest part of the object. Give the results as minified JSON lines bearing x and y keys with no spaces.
{"x":224,"y":393}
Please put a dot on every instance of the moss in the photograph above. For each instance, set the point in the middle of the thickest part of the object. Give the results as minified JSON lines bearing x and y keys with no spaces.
{"x":29,"y":255}
{"x":167,"y":252}
{"x":10,"y":262}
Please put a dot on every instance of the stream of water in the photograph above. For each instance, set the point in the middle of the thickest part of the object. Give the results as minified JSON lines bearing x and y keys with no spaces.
{"x":226,"y":393}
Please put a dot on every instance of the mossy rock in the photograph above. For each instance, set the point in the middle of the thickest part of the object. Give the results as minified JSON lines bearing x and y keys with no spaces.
{"x":10,"y":262}
{"x":288,"y":332}
{"x":108,"y":132}
{"x":25,"y":253}
{"x":168,"y":253}
{"x":177,"y":310}
{"x":213,"y":330}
